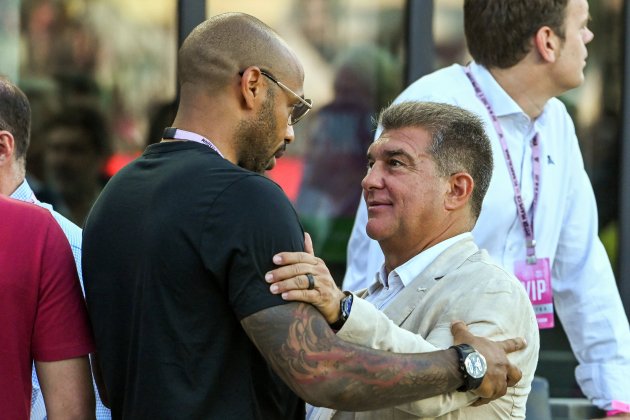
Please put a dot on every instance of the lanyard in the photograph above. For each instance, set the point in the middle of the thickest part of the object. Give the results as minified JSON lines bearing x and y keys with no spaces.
{"x":177,"y":134}
{"x":528,"y":227}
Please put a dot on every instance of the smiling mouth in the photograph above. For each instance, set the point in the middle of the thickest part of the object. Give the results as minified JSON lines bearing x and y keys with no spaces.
{"x":374,"y":204}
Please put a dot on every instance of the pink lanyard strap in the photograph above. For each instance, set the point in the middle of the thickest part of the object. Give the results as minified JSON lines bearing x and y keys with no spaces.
{"x":528,"y":227}
{"x":177,"y":134}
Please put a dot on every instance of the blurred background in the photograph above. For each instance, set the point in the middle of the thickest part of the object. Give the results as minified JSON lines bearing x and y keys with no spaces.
{"x":101,"y":78}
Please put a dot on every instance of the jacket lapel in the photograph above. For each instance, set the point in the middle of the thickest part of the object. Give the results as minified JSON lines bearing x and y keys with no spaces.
{"x":411,"y":296}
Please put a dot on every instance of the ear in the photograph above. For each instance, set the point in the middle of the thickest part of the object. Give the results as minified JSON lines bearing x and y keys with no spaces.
{"x":548,"y":44}
{"x":251,"y":86}
{"x":460,"y":189}
{"x":7,"y":147}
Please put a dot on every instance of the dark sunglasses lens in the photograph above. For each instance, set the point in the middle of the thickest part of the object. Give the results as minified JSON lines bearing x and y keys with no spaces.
{"x":299,"y":111}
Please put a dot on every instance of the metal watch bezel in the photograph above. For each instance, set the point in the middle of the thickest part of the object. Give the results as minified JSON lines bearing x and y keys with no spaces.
{"x":466,"y":355}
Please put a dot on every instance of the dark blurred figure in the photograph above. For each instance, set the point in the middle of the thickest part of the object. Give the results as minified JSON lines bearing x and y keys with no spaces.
{"x":366,"y":80}
{"x":44,"y":97}
{"x":77,"y":146}
{"x":58,"y":39}
{"x":48,"y":96}
{"x":77,"y":89}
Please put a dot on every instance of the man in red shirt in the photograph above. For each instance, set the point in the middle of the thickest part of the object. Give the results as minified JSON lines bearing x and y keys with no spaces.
{"x":44,"y":317}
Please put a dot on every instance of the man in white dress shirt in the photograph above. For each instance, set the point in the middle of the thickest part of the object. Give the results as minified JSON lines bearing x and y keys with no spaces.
{"x":526,"y":53}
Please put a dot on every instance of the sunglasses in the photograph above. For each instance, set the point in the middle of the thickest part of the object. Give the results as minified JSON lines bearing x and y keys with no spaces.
{"x":300,"y":109}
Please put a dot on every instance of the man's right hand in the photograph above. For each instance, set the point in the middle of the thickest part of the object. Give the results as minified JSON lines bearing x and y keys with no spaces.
{"x":500,"y":373}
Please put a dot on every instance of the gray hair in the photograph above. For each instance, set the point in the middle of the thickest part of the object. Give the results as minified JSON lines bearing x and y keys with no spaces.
{"x":458,"y":141}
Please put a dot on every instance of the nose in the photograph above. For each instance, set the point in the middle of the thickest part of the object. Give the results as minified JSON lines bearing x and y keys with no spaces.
{"x":289,"y":135}
{"x":373,"y":179}
{"x":588,"y":36}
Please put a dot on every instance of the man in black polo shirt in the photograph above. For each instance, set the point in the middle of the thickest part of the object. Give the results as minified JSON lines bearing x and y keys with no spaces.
{"x":176,"y":248}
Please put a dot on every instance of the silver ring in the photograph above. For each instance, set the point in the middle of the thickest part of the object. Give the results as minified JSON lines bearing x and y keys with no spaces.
{"x":311,"y":281}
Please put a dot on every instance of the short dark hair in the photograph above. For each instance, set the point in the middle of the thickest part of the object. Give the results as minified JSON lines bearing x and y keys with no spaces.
{"x":15,"y":115}
{"x":499,"y":32}
{"x":86,"y":118}
{"x":458,"y":141}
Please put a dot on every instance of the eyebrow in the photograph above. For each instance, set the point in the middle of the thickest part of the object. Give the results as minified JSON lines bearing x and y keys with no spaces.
{"x":393,"y":153}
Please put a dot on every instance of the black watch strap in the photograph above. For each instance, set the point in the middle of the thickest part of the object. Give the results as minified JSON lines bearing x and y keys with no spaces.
{"x":472,"y":365}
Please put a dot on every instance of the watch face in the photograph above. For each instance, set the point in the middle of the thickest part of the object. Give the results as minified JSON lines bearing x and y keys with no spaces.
{"x":475,"y":365}
{"x":346,"y":307}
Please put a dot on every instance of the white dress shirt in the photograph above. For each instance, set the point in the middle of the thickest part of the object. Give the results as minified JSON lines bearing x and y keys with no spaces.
{"x":585,"y":293}
{"x":397,"y":279}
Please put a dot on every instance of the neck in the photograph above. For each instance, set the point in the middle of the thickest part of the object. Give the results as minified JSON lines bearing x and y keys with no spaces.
{"x":10,"y":179}
{"x":216,"y":137}
{"x":211,"y":119}
{"x":396,"y":254}
{"x":525,"y":86}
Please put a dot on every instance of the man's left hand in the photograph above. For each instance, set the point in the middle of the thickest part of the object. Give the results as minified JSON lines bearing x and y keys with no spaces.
{"x":501,"y":374}
{"x":291,"y":280}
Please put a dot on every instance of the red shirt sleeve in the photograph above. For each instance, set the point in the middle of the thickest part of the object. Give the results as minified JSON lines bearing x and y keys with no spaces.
{"x":61,"y":329}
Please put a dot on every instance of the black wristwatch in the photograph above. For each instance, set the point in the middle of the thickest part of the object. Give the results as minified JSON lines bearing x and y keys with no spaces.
{"x":473,"y":366}
{"x":345,"y":308}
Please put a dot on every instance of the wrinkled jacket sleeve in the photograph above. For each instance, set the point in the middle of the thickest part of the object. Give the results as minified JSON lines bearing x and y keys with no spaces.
{"x":370,"y":327}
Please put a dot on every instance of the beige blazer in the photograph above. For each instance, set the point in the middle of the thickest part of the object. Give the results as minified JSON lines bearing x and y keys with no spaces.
{"x":463,"y":283}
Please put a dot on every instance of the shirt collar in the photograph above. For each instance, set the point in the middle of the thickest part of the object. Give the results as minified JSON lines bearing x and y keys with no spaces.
{"x":24,"y":193}
{"x":502,"y":104}
{"x":408,"y":271}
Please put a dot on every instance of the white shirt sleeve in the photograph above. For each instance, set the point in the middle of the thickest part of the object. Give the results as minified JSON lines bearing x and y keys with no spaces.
{"x":587,"y":300}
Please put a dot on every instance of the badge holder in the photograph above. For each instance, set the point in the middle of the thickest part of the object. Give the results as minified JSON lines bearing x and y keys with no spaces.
{"x":535,"y":275}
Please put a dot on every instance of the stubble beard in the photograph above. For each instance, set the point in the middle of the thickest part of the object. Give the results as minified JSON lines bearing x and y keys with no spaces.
{"x":253,"y":138}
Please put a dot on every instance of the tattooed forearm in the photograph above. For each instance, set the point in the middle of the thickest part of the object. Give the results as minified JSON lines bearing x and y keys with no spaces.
{"x":327,"y":371}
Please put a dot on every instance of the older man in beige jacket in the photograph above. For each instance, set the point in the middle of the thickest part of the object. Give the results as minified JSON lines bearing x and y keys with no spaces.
{"x":428,"y":173}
